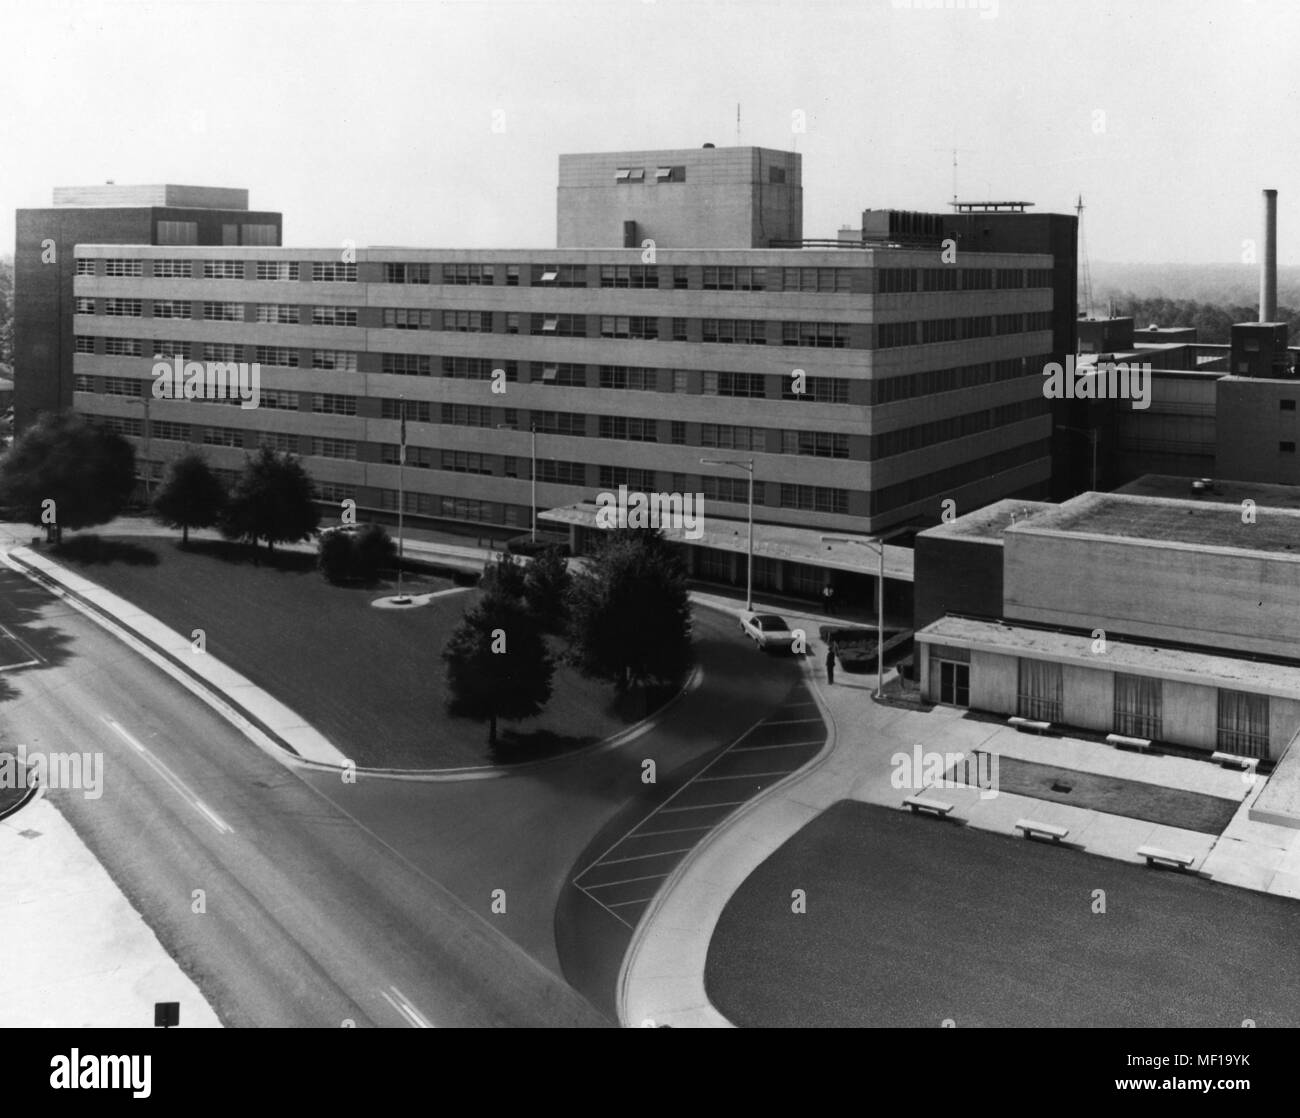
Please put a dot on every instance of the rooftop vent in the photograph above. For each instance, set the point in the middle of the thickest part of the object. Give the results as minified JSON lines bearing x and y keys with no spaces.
{"x":708,"y":145}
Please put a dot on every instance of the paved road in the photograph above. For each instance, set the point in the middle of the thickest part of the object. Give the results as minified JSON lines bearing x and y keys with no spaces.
{"x":311,"y":918}
{"x":524,"y":834}
{"x":616,"y":878}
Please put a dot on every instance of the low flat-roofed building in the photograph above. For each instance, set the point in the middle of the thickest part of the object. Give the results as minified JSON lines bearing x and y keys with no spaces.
{"x":959,"y":563}
{"x":1154,"y":617}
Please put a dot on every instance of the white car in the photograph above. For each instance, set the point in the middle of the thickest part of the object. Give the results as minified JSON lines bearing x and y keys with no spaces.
{"x":767,"y":630}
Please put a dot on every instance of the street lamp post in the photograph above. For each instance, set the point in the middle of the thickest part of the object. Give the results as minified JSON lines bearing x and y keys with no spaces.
{"x":879,"y":545}
{"x":746,"y":464}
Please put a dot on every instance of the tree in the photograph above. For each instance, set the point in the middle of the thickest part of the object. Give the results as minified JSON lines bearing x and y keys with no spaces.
{"x":376,"y":551}
{"x":191,"y":496}
{"x":629,"y":612}
{"x":546,"y":584}
{"x":87,"y":471}
{"x":335,"y":555}
{"x":505,"y":576}
{"x":356,"y":556}
{"x":272,"y":501}
{"x":498,"y":665}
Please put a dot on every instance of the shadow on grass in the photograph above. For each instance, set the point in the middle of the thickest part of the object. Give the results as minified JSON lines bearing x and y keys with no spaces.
{"x":515,"y":747}
{"x":233,"y":551}
{"x":93,"y":549}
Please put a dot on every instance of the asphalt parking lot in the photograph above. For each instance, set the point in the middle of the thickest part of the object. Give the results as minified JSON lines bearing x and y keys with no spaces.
{"x":624,"y":879}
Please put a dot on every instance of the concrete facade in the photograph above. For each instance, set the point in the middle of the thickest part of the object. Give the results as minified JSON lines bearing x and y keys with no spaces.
{"x":44,"y":266}
{"x":1187,"y":593}
{"x":865,"y":465}
{"x":741,"y":197}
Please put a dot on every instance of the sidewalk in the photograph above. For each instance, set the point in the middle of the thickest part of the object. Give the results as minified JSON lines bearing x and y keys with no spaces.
{"x":662,"y":979}
{"x":264,"y":719}
{"x":87,"y":959}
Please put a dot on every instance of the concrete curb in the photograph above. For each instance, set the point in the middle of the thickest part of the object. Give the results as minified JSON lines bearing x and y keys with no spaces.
{"x":644,"y":928}
{"x":253,"y":727}
{"x":33,"y":793}
{"x":247,"y":722}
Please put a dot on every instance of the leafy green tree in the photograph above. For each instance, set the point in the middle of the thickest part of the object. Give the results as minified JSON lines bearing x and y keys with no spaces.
{"x":504,"y":575}
{"x":356,"y":556}
{"x":376,"y":551}
{"x":546,"y":586}
{"x":192,"y":496}
{"x":86,"y":470}
{"x":630,"y":614}
{"x":6,"y":312}
{"x":335,"y":556}
{"x":498,"y":665}
{"x":272,"y":501}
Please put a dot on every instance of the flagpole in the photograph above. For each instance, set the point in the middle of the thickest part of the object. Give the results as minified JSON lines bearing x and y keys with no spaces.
{"x":401,"y":496}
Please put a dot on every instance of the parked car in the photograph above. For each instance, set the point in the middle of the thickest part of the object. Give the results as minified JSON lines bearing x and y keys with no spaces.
{"x":767,"y":631}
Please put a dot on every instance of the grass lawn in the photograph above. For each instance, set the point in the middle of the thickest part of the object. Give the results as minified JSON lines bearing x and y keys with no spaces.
{"x":371,"y":680}
{"x":1136,"y":799}
{"x":911,"y":921}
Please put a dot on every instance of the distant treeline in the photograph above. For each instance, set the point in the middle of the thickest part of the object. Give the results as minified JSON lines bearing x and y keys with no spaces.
{"x":6,"y":312}
{"x":1213,"y":321}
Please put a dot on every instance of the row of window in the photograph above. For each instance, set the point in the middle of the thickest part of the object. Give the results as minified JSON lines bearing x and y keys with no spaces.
{"x":830,"y":390}
{"x":662,"y":174}
{"x":1138,"y":707}
{"x":321,"y":272}
{"x":726,"y":331}
{"x":711,"y":277}
{"x":934,"y":381}
{"x":901,"y":280}
{"x":941,"y":483}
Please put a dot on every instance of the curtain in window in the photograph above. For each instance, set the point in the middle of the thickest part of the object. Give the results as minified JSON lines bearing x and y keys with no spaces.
{"x":1243,"y":723}
{"x":1137,"y":706}
{"x":1039,"y":692}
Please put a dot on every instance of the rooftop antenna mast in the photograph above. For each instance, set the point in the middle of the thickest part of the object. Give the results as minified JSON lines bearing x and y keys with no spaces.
{"x":1085,"y":281}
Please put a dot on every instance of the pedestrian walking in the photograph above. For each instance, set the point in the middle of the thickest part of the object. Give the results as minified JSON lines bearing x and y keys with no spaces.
{"x":830,"y":663}
{"x":828,"y":599}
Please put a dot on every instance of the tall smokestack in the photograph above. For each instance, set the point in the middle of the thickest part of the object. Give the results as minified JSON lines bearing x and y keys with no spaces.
{"x":1268,"y":265}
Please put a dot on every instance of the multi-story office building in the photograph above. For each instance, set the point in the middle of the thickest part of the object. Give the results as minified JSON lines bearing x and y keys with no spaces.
{"x":869,"y":384}
{"x":108,"y":214}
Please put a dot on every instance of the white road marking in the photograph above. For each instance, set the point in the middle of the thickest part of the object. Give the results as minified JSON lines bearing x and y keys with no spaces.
{"x":402,"y":1004}
{"x":779,"y":745}
{"x":38,"y":658}
{"x":626,"y":881}
{"x":177,"y":785}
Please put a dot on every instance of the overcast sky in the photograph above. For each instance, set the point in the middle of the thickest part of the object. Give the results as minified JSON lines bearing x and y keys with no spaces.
{"x":373,"y":121}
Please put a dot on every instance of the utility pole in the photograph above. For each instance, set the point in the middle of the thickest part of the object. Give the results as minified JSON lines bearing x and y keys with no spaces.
{"x":879,"y":544}
{"x":401,"y":497}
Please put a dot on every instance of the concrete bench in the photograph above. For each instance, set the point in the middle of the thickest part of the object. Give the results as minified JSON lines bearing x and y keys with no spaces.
{"x":1234,"y":761}
{"x":922,"y":803}
{"x":1030,"y":724}
{"x":1154,"y":855}
{"x":1029,"y":828}
{"x":1123,"y":741}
